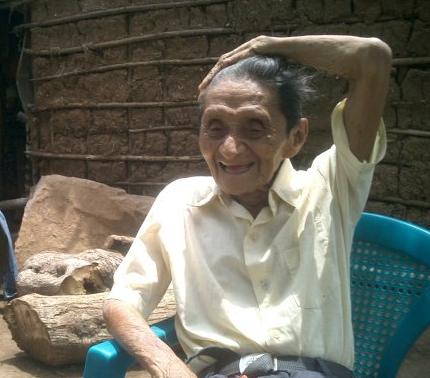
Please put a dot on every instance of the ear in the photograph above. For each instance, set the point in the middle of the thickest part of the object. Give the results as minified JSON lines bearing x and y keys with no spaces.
{"x":296,"y":138}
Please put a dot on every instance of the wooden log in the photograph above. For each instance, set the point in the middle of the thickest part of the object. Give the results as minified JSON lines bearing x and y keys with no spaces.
{"x":54,"y":273}
{"x":118,"y":243}
{"x":58,"y":330}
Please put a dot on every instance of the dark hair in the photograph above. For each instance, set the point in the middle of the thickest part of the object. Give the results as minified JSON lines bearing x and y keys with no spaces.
{"x":291,"y":83}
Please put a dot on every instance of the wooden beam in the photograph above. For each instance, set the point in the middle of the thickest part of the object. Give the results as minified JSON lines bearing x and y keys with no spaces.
{"x":114,"y":105}
{"x":147,"y":158}
{"x":116,"y":11}
{"x":128,"y":41}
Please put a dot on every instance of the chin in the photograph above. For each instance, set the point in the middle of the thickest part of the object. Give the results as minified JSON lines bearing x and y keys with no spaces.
{"x":232,"y":190}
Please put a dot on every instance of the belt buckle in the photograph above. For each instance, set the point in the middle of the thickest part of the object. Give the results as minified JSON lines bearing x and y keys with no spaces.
{"x":258,"y":363}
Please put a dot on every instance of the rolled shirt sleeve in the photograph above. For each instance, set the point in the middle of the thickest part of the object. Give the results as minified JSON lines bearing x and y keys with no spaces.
{"x":143,"y":276}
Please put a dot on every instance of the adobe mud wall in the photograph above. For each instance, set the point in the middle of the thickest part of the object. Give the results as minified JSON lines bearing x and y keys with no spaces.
{"x":112,"y":89}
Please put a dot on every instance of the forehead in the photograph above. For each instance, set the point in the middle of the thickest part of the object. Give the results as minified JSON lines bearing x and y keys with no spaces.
{"x":237,"y":93}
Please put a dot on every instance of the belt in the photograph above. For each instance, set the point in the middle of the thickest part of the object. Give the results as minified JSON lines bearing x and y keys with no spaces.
{"x":257,"y":364}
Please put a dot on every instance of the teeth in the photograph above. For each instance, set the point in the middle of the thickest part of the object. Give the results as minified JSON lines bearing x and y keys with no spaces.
{"x":235,"y":169}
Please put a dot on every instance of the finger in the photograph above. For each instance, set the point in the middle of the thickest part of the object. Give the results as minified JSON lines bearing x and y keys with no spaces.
{"x":225,"y":61}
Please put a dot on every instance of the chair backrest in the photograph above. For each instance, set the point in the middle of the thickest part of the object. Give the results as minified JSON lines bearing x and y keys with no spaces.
{"x":390,"y":291}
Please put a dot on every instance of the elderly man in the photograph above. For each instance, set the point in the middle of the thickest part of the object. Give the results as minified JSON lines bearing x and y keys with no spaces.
{"x":259,"y":253}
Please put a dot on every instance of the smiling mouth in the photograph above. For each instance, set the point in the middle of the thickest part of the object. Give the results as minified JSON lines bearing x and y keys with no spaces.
{"x":235,"y":169}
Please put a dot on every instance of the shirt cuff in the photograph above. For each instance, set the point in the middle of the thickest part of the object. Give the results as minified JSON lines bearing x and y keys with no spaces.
{"x":341,"y":142}
{"x":129,"y":296}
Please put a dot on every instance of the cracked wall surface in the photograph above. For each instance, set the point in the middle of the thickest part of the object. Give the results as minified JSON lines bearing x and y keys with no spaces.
{"x":113,"y":86}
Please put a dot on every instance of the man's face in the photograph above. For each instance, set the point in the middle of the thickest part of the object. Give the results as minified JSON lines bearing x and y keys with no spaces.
{"x":243,"y":135}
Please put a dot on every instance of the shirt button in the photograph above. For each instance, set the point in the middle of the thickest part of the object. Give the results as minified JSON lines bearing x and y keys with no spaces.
{"x":252,"y":236}
{"x":264,"y":284}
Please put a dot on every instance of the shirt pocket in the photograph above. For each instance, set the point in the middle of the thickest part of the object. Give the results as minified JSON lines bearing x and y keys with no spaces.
{"x":310,"y":275}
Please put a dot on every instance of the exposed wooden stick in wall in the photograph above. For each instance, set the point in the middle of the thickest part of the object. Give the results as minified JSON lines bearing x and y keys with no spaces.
{"x":114,"y":105}
{"x":147,"y":158}
{"x":410,"y":132}
{"x":112,"y":67}
{"x":128,"y":41}
{"x":117,"y":11}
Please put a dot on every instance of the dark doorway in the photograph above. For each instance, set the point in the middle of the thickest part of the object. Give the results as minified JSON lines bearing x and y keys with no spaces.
{"x":13,"y":164}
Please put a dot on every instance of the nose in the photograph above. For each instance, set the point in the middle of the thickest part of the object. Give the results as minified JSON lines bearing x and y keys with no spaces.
{"x":232,"y":146}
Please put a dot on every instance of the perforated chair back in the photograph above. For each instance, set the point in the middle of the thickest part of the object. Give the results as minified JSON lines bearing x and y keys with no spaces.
{"x":390,"y":290}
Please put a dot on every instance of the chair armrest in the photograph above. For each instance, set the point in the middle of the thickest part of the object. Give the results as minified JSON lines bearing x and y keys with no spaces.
{"x":109,"y":360}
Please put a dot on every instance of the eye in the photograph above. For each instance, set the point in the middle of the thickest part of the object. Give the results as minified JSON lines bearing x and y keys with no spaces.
{"x":215,"y":129}
{"x":254,"y":129}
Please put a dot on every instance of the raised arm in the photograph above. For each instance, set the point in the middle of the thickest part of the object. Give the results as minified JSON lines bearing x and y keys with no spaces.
{"x":130,"y":329}
{"x":364,"y":62}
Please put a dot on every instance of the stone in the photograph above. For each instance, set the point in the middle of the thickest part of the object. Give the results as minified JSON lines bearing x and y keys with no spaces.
{"x":145,"y":118}
{"x":421,"y":216}
{"x":95,"y":5}
{"x":385,"y":181}
{"x":416,"y":85}
{"x":103,"y":29}
{"x":114,"y":143}
{"x":422,"y":9}
{"x":312,"y":10}
{"x":248,"y":15}
{"x":182,"y":82}
{"x":391,"y":209}
{"x":418,"y":44}
{"x":156,"y":21}
{"x":145,"y":85}
{"x":414,"y":116}
{"x":367,"y":10}
{"x":107,"y":172}
{"x":70,"y":215}
{"x":107,"y":121}
{"x":183,"y":116}
{"x":72,"y":168}
{"x":216,"y":16}
{"x":186,"y":48}
{"x":149,"y":143}
{"x":147,"y":50}
{"x":336,"y":10}
{"x":396,"y":33}
{"x":415,"y":183}
{"x":219,"y":45}
{"x":184,"y":142}
{"x":108,"y":86}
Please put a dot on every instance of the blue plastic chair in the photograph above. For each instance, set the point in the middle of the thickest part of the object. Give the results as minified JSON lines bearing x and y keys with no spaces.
{"x":390,"y":288}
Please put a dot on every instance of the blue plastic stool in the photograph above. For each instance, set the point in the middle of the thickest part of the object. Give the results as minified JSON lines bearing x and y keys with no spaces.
{"x":109,"y":360}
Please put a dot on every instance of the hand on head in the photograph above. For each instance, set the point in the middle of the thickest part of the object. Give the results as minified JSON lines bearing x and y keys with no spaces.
{"x":259,"y":45}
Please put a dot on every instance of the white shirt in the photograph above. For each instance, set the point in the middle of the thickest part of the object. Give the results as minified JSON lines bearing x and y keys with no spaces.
{"x":277,"y":283}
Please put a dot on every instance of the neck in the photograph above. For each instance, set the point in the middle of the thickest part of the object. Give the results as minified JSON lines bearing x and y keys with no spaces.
{"x":253,"y":202}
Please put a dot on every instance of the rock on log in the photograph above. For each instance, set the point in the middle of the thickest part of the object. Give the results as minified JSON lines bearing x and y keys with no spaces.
{"x":70,"y":215}
{"x":57,"y":330}
{"x":54,"y":273}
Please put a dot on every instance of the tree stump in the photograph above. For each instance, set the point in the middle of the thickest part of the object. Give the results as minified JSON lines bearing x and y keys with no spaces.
{"x":54,"y":273}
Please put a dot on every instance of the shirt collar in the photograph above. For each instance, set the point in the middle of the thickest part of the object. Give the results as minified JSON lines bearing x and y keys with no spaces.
{"x":205,"y":194}
{"x":286,"y":187}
